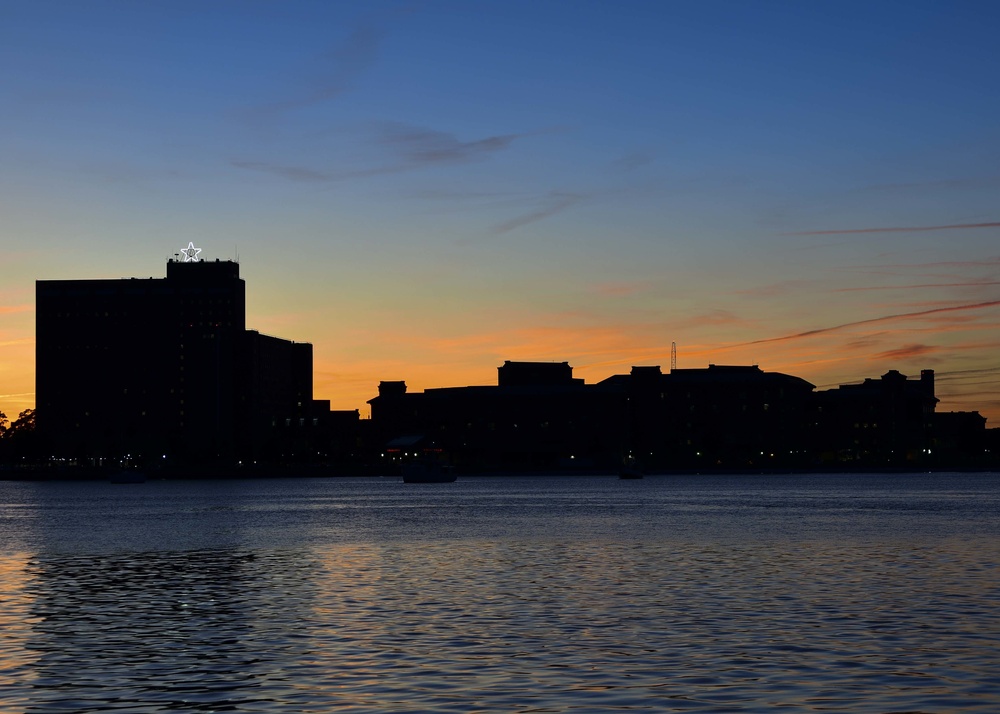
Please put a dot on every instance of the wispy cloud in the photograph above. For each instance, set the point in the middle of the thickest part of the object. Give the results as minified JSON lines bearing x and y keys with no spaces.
{"x":906,"y":352}
{"x":865,"y":343}
{"x":11,"y":309}
{"x":715,"y":318}
{"x":466,"y":196}
{"x":947,"y":184}
{"x":991,"y":262}
{"x":964,"y":374}
{"x":418,"y":146}
{"x":340,"y":67}
{"x":876,"y":320}
{"x":921,"y":286}
{"x":892,"y":229}
{"x":775,"y":289}
{"x":292,"y":173}
{"x":632,"y":161}
{"x":620,"y":289}
{"x":409,"y":147}
{"x":551,"y":203}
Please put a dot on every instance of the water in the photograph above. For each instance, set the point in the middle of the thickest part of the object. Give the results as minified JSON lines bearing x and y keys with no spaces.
{"x":706,"y":594}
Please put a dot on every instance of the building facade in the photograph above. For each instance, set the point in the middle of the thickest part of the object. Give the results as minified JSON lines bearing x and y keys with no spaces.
{"x":886,"y":421}
{"x":162,"y":368}
{"x":719,"y":418}
{"x":539,"y":417}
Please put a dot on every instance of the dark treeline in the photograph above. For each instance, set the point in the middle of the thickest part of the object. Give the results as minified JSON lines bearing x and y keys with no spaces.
{"x":19,"y":439}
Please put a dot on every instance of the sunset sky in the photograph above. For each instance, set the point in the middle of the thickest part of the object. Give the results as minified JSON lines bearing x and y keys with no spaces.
{"x":426,"y":189}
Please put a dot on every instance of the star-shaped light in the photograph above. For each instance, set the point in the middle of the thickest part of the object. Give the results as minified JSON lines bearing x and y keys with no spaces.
{"x":191,"y":253}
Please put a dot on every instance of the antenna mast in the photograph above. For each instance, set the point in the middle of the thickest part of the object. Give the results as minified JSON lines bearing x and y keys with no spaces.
{"x":673,"y":356}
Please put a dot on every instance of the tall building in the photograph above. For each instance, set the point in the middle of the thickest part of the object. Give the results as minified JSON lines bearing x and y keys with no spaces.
{"x":162,"y":367}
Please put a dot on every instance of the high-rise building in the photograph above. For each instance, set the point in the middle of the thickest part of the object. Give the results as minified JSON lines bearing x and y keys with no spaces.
{"x":162,"y":367}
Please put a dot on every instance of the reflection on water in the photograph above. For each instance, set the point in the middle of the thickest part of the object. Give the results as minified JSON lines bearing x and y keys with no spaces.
{"x":354,"y":616}
{"x":153,"y":628}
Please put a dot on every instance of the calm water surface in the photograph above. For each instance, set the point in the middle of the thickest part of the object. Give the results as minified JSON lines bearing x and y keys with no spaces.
{"x":707,"y":594}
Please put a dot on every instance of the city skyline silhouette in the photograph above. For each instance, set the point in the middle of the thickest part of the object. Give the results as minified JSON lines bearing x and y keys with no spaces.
{"x":164,"y":374}
{"x":495,"y":356}
{"x":424,"y":193}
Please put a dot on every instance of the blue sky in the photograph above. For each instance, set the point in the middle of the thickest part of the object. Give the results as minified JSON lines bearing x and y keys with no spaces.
{"x":425,"y":189}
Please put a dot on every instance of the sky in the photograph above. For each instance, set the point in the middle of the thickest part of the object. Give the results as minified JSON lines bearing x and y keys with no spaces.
{"x":425,"y":189}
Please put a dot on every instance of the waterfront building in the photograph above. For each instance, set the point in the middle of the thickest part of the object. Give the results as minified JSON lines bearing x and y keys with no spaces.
{"x":720,"y":417}
{"x":539,"y":417}
{"x":164,"y":368}
{"x":723,"y":417}
{"x":882,"y":422}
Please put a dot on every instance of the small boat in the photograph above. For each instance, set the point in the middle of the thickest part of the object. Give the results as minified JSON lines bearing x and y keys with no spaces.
{"x":428,"y":472}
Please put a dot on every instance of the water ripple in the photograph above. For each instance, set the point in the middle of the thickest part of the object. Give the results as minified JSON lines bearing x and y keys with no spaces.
{"x":258,"y":598}
{"x":479,"y":626}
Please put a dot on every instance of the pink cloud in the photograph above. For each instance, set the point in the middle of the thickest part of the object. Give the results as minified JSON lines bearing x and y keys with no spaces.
{"x":906,"y":352}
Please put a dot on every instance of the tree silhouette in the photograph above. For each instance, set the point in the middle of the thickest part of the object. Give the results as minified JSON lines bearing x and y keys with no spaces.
{"x":20,"y":439}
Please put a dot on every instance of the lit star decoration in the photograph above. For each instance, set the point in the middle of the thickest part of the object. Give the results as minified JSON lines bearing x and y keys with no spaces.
{"x":191,"y":253}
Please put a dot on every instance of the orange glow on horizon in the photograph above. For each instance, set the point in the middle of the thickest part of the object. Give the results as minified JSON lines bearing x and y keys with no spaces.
{"x":798,"y":330}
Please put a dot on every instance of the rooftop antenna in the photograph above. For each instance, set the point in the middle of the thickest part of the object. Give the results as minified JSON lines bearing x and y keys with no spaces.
{"x":673,"y":356}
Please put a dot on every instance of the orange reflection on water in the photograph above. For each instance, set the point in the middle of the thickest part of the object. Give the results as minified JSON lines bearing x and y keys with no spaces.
{"x":16,"y":623}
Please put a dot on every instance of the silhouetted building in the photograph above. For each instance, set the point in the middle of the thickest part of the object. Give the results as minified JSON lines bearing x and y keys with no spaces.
{"x":732,"y":418}
{"x":540,"y":417}
{"x":881,"y":422}
{"x":959,"y":439}
{"x":536,"y":374}
{"x":164,"y":368}
{"x":721,"y":417}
